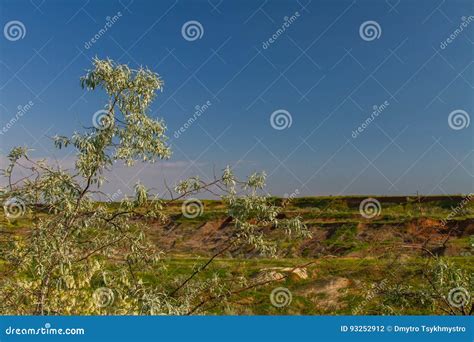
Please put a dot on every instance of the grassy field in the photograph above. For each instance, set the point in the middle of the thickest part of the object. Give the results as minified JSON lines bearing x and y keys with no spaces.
{"x":335,"y":286}
{"x":338,"y":266}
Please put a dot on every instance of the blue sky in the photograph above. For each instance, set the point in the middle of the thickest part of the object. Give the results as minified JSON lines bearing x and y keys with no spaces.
{"x":320,"y":70}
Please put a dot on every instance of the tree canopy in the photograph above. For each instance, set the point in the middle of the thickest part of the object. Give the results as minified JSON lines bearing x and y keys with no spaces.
{"x":82,"y":256}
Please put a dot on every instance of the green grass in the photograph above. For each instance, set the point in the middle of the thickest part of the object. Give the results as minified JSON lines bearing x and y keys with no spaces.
{"x":342,"y":227}
{"x":360,"y":273}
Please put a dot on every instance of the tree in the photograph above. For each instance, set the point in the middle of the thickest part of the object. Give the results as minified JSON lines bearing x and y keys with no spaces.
{"x":444,"y":287}
{"x":80,"y":255}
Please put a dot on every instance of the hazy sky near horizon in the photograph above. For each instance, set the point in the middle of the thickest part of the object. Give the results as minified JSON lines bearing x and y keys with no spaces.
{"x":311,"y":63}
